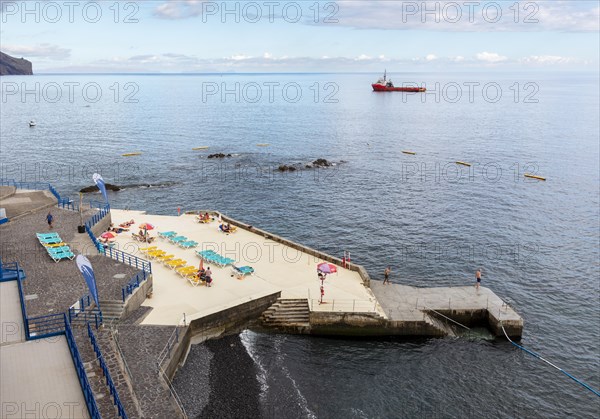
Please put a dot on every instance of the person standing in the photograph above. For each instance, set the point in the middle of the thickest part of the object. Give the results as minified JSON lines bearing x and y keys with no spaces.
{"x":478,"y":279}
{"x":386,"y":275}
{"x":50,"y":219}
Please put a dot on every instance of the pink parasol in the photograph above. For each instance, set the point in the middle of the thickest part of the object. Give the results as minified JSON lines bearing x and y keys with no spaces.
{"x":326,"y":268}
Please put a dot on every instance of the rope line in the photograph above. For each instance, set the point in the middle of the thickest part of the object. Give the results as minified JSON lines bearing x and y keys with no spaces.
{"x":530,"y":352}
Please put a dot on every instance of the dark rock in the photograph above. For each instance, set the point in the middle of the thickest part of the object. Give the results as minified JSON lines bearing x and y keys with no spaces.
{"x":218,"y":156}
{"x":14,"y":66}
{"x":321,"y":163}
{"x":94,"y":188}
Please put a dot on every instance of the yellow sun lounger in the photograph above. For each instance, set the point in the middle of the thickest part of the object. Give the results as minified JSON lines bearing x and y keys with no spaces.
{"x":165,"y":258}
{"x":156,"y":253}
{"x":177,"y":263}
{"x":148,"y":249}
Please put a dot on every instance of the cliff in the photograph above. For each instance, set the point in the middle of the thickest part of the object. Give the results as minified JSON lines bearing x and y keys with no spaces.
{"x":14,"y":66}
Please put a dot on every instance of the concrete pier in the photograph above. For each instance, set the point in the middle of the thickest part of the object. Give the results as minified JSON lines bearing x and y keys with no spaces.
{"x":145,"y":345}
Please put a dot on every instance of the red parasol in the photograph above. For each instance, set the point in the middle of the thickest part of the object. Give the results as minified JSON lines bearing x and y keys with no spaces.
{"x":326,"y":268}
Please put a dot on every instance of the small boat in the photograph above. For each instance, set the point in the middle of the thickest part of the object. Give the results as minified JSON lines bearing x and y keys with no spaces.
{"x":204,"y":147}
{"x":32,"y":123}
{"x":131,"y":154}
{"x":385,"y":85}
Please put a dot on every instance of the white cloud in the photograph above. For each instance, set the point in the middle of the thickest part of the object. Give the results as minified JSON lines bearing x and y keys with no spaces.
{"x":363,"y":57}
{"x":430,"y":57}
{"x":490,"y":57}
{"x":547,"y":60}
{"x":458,"y":59}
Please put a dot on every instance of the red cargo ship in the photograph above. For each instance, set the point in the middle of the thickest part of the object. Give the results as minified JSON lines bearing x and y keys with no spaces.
{"x":384,"y":85}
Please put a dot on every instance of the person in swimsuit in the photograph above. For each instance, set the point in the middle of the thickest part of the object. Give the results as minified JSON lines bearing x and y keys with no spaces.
{"x":386,"y":275}
{"x":478,"y":279}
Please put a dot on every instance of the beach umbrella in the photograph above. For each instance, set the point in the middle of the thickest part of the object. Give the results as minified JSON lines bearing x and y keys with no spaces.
{"x":146,"y":226}
{"x":108,"y":235}
{"x":326,"y":268}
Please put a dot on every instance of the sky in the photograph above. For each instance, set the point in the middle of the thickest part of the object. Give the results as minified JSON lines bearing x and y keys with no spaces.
{"x":194,"y":36}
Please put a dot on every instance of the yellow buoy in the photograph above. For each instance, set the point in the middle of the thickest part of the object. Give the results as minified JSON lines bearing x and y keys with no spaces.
{"x":131,"y":154}
{"x":534,"y":176}
{"x":463,"y":163}
{"x":409,"y":152}
{"x":263,"y":144}
{"x":204,"y":147}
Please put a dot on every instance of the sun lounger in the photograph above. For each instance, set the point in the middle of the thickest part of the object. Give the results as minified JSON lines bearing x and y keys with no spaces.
{"x":212,"y":257}
{"x":188,"y":244}
{"x":178,"y":239}
{"x":177,"y":263}
{"x":156,"y":253}
{"x":167,"y":234}
{"x":47,"y":235}
{"x":52,"y":238}
{"x":165,"y":258}
{"x":242,"y":271}
{"x":60,"y":244}
{"x":57,"y":256}
{"x":148,"y":249}
{"x":58,"y":249}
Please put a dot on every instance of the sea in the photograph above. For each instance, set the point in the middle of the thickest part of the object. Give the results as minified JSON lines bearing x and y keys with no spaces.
{"x":435,"y":222}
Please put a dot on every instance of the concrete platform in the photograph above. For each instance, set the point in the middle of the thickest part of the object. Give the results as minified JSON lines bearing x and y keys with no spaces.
{"x":38,"y":379}
{"x":11,"y":318}
{"x":24,"y":202}
{"x":407,"y":304}
{"x":277,"y":268}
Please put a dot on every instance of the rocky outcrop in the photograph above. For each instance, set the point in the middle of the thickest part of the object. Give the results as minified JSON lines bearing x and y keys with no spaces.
{"x":14,"y":66}
{"x":218,"y":156}
{"x":94,"y":188}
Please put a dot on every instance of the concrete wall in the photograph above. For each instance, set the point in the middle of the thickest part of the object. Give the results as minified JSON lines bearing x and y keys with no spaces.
{"x":102,"y":225}
{"x":136,"y":299}
{"x":367,"y":324}
{"x":216,"y":324}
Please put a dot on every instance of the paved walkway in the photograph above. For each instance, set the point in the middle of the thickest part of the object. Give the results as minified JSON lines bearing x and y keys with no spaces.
{"x":277,"y":268}
{"x":38,"y":379}
{"x":404,"y":303}
{"x":26,"y":201}
{"x":10,"y":313}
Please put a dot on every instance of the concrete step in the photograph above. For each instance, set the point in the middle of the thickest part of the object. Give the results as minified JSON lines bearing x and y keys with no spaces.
{"x":287,"y":313}
{"x":440,"y":325}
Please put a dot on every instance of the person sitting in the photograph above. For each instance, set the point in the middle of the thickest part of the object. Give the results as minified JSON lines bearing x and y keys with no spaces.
{"x":206,"y":218}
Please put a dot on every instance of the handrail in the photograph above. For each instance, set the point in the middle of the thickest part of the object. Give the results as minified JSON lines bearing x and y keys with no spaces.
{"x":161,"y":373}
{"x":446,"y":317}
{"x":88,"y":394}
{"x":133,"y":284}
{"x":106,"y":371}
{"x":343,"y":305}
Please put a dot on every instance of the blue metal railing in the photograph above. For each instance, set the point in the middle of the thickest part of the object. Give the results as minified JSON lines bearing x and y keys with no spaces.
{"x":106,"y":371}
{"x":88,"y":394}
{"x":129,"y":259}
{"x":133,"y":283}
{"x":103,"y":210}
{"x":63,"y":202}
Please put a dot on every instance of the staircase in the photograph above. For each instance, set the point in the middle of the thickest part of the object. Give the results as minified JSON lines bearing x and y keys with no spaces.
{"x":112,"y":309}
{"x":287,"y":313}
{"x":441,"y":326}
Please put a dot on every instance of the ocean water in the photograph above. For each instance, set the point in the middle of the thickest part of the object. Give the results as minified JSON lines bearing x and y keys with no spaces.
{"x":434,"y":222}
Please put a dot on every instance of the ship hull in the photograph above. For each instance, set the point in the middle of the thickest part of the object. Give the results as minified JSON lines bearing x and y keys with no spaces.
{"x":380,"y":88}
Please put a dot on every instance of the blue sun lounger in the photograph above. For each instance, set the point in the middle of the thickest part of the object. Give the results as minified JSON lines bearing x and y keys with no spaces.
{"x":188,"y":244}
{"x":167,"y":234}
{"x":178,"y":239}
{"x":63,"y":254}
{"x":242,"y":271}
